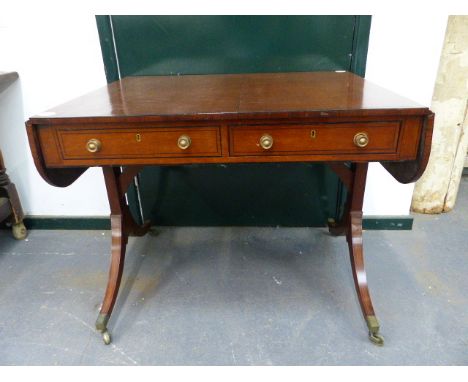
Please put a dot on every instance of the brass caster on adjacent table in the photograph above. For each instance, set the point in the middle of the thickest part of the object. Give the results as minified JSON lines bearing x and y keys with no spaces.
{"x":19,"y":231}
{"x":101,"y":326}
{"x":374,"y":327}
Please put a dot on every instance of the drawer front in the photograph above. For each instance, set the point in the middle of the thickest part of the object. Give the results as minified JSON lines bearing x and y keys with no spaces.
{"x":339,"y":138}
{"x":140,"y":143}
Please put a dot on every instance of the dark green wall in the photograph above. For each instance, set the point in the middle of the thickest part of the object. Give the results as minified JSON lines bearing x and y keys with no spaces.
{"x":273,"y":194}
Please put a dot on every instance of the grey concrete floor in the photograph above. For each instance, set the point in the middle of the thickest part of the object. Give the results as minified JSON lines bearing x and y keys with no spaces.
{"x":238,"y":296}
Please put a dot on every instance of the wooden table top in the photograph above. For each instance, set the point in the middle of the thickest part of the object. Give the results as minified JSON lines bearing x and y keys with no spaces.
{"x":233,"y":96}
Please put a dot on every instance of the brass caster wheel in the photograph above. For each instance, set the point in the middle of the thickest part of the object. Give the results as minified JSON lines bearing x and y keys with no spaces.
{"x":106,"y":337}
{"x":19,"y":231}
{"x":376,"y":338}
{"x":374,"y":327}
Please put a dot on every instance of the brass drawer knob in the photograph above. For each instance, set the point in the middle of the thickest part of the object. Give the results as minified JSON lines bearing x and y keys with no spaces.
{"x":93,"y":145}
{"x":266,"y":141}
{"x":361,"y":139}
{"x":184,"y":142}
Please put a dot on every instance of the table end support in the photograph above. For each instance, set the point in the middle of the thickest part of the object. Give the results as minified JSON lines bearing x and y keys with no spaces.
{"x":353,"y":220}
{"x":122,"y":225}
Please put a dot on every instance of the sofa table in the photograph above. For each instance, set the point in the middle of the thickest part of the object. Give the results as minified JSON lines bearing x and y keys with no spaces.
{"x":333,"y":117}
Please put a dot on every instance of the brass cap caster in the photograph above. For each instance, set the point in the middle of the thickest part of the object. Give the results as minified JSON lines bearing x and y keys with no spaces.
{"x":376,"y":339}
{"x":106,"y":337}
{"x":374,"y":327}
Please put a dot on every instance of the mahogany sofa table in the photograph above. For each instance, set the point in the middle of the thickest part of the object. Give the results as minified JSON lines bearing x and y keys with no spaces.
{"x":333,"y":117}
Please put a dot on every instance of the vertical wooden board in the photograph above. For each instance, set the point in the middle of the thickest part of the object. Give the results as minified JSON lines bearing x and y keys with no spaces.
{"x":259,"y":195}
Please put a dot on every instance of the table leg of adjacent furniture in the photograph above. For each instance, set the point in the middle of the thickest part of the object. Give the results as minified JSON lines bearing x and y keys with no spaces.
{"x":14,"y":212}
{"x":122,"y":226}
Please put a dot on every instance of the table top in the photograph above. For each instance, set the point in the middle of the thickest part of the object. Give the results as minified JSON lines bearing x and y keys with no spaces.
{"x":232,"y":96}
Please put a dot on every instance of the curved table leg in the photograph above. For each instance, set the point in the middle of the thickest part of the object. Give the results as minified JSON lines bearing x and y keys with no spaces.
{"x":118,"y":246}
{"x":354,"y":238}
{"x":122,"y":224}
{"x":132,"y":227}
{"x":345,"y":173}
{"x":339,"y":228}
{"x":356,"y":254}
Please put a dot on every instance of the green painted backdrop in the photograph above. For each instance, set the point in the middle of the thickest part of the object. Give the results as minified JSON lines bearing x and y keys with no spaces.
{"x":300,"y":194}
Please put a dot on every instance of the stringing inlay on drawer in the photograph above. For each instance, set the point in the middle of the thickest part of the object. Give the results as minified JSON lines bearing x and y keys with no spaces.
{"x":139,"y":143}
{"x":340,"y":138}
